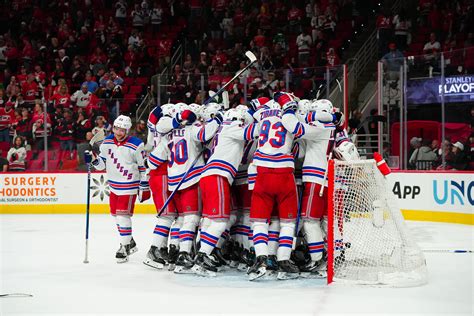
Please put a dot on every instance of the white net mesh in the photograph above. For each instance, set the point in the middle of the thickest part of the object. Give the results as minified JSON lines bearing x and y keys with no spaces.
{"x":371,"y":241}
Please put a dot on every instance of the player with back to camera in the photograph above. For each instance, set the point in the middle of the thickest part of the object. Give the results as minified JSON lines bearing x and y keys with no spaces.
{"x":122,"y":156}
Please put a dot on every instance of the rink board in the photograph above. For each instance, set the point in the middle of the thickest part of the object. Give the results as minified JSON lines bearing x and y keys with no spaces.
{"x":422,"y":196}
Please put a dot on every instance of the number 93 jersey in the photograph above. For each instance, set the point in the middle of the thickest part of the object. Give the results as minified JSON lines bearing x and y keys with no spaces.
{"x":274,"y":142}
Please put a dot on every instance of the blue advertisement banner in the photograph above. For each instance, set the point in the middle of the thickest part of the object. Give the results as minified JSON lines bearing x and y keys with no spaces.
{"x":426,"y":91}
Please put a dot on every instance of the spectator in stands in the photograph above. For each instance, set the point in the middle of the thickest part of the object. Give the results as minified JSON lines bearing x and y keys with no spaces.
{"x":431,"y":50}
{"x":81,"y":97}
{"x":7,"y":117}
{"x":459,"y":160}
{"x":3,"y":163}
{"x":415,"y":143}
{"x":16,"y":155}
{"x":65,"y":130}
{"x":423,"y":157}
{"x":13,"y":88}
{"x":30,"y":89}
{"x":82,"y":125}
{"x":295,"y":15}
{"x":446,"y":152}
{"x":38,"y":129}
{"x":141,"y":131}
{"x":384,"y":30}
{"x":92,"y":85}
{"x":332,"y":58}
{"x":23,"y":127}
{"x":121,"y":12}
{"x":402,"y":27}
{"x":435,"y":147}
{"x":62,"y":99}
{"x":304,"y":43}
{"x":392,"y":61}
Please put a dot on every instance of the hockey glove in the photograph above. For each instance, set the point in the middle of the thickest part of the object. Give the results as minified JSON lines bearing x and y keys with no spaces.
{"x":256,"y":104}
{"x":187,"y":117}
{"x":286,"y":100}
{"x":144,"y":191}
{"x":88,"y":156}
{"x":218,"y":117}
{"x":338,"y":118}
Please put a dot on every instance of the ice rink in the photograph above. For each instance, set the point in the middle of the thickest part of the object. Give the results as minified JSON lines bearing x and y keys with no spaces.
{"x":42,"y":255}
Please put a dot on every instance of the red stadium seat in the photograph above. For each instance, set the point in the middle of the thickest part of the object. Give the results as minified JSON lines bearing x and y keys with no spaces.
{"x":141,"y":81}
{"x":135,"y":90}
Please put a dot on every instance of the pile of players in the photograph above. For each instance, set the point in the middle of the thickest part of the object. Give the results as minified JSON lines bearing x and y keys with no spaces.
{"x":236,"y":176}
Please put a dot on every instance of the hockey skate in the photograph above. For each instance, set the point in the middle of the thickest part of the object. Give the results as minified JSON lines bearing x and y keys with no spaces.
{"x":205,"y":265}
{"x":184,"y":263}
{"x":156,"y":258}
{"x":219,"y":257}
{"x":313,"y":270}
{"x":258,"y":269}
{"x":272,"y":267}
{"x":172,"y":256}
{"x":287,"y":270}
{"x":126,"y":250}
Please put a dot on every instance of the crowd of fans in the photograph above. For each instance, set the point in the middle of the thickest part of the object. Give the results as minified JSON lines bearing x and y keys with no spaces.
{"x":75,"y":59}
{"x":434,"y":27}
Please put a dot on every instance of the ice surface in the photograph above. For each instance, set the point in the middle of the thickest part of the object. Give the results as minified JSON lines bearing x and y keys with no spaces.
{"x":42,"y":255}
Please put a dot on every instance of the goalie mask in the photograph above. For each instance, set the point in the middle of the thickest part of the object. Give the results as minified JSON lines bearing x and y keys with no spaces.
{"x":346,"y":151}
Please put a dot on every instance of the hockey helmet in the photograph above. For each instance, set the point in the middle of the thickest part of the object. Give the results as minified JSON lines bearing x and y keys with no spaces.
{"x":233,"y":115}
{"x":324,"y":105}
{"x":346,"y":151}
{"x":123,"y":121}
{"x":210,"y":110}
{"x":169,"y":109}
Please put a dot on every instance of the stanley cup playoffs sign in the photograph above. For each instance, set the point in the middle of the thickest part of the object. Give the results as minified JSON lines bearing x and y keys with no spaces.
{"x":427,"y":91}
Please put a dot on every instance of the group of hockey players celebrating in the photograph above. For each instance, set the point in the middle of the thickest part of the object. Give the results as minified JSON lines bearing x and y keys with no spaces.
{"x":235,"y":191}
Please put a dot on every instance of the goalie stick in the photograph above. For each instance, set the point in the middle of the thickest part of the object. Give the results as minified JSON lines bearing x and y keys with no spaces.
{"x":252,"y":60}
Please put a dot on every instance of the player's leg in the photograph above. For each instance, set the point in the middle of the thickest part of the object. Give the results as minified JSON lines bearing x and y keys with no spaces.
{"x":260,"y":212}
{"x":122,"y":206}
{"x":189,"y":208}
{"x":287,"y":201}
{"x":273,"y":236}
{"x":173,"y":247}
{"x":312,"y":207}
{"x":157,"y":256}
{"x":216,"y":208}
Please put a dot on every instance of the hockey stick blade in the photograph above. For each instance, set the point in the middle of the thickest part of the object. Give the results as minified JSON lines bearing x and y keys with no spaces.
{"x":251,"y":56}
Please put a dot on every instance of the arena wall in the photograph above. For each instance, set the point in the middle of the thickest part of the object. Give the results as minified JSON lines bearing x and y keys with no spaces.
{"x":422,"y":196}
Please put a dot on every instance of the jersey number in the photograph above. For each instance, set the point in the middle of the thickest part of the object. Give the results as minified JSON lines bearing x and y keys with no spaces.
{"x":179,"y":152}
{"x":277,"y":136}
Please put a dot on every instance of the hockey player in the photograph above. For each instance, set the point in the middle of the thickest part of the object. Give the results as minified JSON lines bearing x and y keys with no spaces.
{"x":158,"y":254}
{"x":318,"y":138}
{"x":275,"y":184}
{"x":185,"y":145}
{"x":215,"y":185}
{"x":123,"y":158}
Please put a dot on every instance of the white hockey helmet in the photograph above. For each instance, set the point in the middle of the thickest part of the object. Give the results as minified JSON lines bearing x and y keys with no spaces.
{"x":123,"y":121}
{"x":324,"y":105}
{"x":169,"y":109}
{"x":272,"y":104}
{"x":346,"y":151}
{"x":304,"y":106}
{"x":233,"y":115}
{"x":210,"y":110}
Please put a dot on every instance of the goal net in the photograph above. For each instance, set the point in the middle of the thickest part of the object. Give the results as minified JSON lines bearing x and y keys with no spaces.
{"x":368,"y":242}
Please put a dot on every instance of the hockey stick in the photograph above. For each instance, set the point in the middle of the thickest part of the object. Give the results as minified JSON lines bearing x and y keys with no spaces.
{"x":448,"y":250}
{"x":86,"y":258}
{"x":15,"y":295}
{"x":252,"y":59}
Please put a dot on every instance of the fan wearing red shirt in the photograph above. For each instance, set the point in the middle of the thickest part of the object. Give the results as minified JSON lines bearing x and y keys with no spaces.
{"x":215,"y":80}
{"x":7,"y":117}
{"x":259,"y":39}
{"x":29,"y":89}
{"x":62,"y":99}
{"x":294,"y":18}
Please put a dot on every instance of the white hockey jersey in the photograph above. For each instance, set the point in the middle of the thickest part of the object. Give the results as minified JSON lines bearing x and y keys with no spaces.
{"x":316,"y":138}
{"x":124,"y":164}
{"x":242,"y":176}
{"x":275,"y":141}
{"x":228,"y":149}
{"x":160,"y":153}
{"x":185,"y":145}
